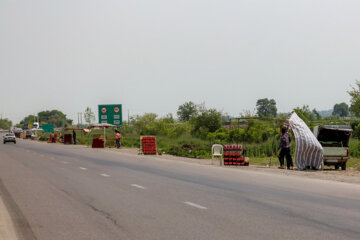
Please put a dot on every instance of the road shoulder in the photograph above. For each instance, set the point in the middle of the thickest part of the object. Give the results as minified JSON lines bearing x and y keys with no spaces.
{"x":7,"y":229}
{"x":348,"y":176}
{"x":13,"y":224}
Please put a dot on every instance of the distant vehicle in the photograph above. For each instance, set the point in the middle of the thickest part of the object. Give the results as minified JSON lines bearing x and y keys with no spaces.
{"x":335,"y":142}
{"x":33,"y":135}
{"x":9,"y":137}
{"x":36,"y":126}
{"x":17,"y":130}
{"x":28,"y":134}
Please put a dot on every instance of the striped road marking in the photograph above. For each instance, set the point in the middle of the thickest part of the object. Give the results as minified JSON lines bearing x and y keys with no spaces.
{"x":138,"y":186}
{"x":195,"y":205}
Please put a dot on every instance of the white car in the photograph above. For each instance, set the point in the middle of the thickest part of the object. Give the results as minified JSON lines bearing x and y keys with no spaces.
{"x":9,"y":137}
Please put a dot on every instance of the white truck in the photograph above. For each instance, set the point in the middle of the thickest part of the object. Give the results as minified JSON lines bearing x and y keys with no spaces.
{"x":35,"y":125}
{"x":335,"y":142}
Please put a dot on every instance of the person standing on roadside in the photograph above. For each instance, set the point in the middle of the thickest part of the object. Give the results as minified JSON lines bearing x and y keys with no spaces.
{"x":74,"y":136}
{"x":118,"y":137}
{"x":284,"y":147}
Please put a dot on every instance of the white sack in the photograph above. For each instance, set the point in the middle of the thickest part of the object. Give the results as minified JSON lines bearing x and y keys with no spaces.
{"x":308,"y":151}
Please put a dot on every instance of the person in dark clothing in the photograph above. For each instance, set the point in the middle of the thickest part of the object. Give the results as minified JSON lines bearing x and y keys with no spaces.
{"x":74,"y":136}
{"x":284,"y":147}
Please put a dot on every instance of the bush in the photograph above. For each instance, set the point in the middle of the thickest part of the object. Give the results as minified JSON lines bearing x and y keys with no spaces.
{"x":207,"y":121}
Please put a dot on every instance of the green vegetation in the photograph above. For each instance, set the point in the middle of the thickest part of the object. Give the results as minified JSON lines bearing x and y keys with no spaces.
{"x":355,"y":99}
{"x":341,"y":109}
{"x":266,"y":107}
{"x":55,"y":117}
{"x":197,"y":128}
{"x":194,"y":138}
{"x":5,"y":124}
{"x":187,"y":110}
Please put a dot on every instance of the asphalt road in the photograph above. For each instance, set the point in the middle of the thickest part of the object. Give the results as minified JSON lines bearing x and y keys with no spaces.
{"x":71,"y":192}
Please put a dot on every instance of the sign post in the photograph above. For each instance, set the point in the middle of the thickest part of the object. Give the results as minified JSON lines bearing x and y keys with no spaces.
{"x":111,"y":114}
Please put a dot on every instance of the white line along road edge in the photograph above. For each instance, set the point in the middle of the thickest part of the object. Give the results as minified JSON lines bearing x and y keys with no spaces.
{"x":105,"y":175}
{"x":138,"y":186}
{"x":195,"y":205}
{"x":82,"y":168}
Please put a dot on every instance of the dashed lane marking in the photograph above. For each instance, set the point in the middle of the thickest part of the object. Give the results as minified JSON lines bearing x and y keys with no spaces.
{"x":105,"y":175}
{"x":82,"y":168}
{"x":195,"y":205}
{"x":138,"y":186}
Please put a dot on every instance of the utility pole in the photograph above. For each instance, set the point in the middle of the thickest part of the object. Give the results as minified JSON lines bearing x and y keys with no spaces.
{"x":81,"y":118}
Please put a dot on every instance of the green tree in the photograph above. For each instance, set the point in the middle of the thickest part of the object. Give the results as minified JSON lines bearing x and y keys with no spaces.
{"x":207,"y":121}
{"x":266,"y":107}
{"x":305,"y":114}
{"x":55,"y":117}
{"x":341,"y":109}
{"x":355,"y":99}
{"x":89,"y":115}
{"x":5,"y":124}
{"x":316,"y":114}
{"x":30,"y":119}
{"x":144,"y":124}
{"x":187,"y":110}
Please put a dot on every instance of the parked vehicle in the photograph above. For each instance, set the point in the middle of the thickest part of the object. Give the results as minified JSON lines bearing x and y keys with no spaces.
{"x":9,"y":137}
{"x":335,"y":142}
{"x":34,"y":135}
{"x":35,"y":125}
{"x":28,"y":134}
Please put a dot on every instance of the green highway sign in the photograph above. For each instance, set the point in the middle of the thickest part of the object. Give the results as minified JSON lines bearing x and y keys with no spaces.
{"x":111,"y":114}
{"x":48,"y":128}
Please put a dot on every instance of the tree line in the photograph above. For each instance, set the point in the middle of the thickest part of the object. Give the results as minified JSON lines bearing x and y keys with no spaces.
{"x":203,"y":120}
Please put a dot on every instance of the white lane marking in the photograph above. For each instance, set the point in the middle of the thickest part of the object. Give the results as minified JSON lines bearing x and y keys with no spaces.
{"x":82,"y":168}
{"x":64,"y":162}
{"x":195,"y":205}
{"x":105,"y":175}
{"x":138,"y":186}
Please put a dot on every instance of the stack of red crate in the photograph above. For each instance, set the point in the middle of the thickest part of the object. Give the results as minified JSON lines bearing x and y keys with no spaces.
{"x":98,"y":143}
{"x":233,"y":155}
{"x":149,"y":145}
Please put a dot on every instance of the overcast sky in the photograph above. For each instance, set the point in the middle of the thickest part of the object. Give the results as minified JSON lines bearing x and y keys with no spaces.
{"x":152,"y":56}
